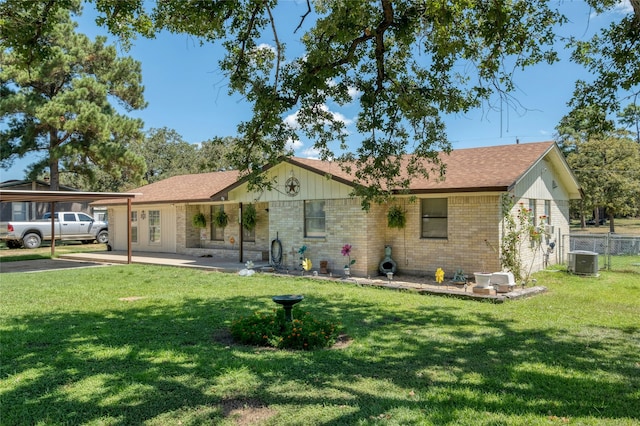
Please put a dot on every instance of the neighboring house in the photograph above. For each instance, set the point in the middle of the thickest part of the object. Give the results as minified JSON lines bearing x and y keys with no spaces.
{"x":455,"y":223}
{"x":24,"y":211}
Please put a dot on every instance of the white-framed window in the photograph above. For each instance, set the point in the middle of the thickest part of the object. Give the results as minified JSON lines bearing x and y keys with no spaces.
{"x":19,"y":211}
{"x":154,"y":226}
{"x":435,"y":217}
{"x":134,"y":226}
{"x":314,"y":219}
{"x":547,"y":211}
{"x":533,"y":211}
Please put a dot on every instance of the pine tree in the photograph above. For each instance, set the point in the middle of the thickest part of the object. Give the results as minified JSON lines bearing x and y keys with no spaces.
{"x":57,"y":102}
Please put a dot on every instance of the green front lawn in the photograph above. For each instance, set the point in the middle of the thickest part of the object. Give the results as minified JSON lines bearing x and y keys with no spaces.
{"x":139,"y":344}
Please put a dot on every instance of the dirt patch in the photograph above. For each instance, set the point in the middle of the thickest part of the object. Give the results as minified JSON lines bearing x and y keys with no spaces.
{"x":342,"y":342}
{"x":246,"y":411}
{"x":131,"y":298}
{"x":224,"y":337}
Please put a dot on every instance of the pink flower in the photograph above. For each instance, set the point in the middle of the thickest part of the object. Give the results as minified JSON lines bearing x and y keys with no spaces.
{"x":346,"y":251}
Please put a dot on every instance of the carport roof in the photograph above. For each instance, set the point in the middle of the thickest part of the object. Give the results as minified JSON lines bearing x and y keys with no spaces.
{"x":9,"y":195}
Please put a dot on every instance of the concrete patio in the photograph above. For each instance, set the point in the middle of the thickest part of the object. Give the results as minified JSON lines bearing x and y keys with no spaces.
{"x":400,"y":282}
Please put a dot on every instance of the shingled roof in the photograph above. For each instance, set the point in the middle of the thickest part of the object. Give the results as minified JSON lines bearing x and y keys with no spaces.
{"x":179,"y":189}
{"x":494,"y":168}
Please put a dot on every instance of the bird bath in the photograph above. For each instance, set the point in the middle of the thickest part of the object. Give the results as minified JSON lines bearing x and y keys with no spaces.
{"x":287,"y":301}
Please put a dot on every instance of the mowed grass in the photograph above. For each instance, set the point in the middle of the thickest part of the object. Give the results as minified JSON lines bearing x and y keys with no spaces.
{"x":623,"y":226}
{"x":139,"y":344}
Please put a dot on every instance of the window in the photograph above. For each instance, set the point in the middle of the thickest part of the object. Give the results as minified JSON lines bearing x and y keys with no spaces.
{"x":435,"y":218}
{"x":249,"y":235}
{"x":134,"y":226}
{"x":547,"y":211}
{"x":84,"y":217}
{"x":314,"y":219}
{"x":69,"y":217}
{"x":19,"y":211}
{"x":154,"y":226}
{"x":217,"y":233}
{"x":532,"y":211}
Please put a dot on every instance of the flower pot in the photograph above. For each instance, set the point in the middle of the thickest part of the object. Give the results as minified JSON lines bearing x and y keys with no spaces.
{"x":483,"y":279}
{"x":347,"y":272}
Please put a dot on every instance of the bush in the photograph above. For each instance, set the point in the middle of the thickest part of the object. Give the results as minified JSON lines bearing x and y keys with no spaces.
{"x":263,"y":329}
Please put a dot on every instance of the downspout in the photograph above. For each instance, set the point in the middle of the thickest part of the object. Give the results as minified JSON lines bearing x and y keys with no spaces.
{"x":53,"y":228}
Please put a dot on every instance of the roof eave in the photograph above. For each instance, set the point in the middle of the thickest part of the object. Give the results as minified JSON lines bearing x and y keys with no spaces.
{"x":457,"y":190}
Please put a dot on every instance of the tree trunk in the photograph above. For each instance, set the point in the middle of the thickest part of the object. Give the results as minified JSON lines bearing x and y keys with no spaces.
{"x":612,"y":228}
{"x":54,"y":174}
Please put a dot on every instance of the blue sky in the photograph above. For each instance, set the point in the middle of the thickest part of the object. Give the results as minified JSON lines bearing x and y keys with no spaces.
{"x":187,"y":92}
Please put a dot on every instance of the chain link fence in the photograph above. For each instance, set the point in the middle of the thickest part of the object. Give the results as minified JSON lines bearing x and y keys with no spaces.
{"x":615,"y":252}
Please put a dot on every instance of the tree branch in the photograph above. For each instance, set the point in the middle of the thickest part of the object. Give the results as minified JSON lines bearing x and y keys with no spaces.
{"x":303,"y":17}
{"x":278,"y":46}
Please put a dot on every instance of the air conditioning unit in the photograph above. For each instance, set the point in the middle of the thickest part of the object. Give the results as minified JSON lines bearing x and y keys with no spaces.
{"x":583,"y":262}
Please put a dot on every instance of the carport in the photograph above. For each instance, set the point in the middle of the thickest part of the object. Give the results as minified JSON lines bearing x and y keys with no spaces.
{"x":58,"y":196}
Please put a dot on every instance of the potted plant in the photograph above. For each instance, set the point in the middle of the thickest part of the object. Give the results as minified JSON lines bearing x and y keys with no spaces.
{"x":396,"y":217}
{"x":249,"y":217}
{"x":221,"y":219}
{"x":199,"y":221}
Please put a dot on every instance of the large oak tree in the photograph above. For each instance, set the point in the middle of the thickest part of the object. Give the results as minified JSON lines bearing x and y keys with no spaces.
{"x":410,"y":62}
{"x":608,"y":169}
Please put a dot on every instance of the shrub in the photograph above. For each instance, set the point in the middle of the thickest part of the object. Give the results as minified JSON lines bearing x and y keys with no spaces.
{"x":263,"y":329}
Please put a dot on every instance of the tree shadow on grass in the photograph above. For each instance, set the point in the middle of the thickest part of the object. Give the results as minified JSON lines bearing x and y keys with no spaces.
{"x":157,"y":362}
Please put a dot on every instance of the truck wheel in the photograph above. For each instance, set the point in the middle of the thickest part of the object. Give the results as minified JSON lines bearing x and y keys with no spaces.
{"x":103,"y":237}
{"x":31,"y":241}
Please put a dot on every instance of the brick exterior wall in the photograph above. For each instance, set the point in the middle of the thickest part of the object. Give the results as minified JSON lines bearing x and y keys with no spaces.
{"x":537,"y":257}
{"x":189,"y":242}
{"x":473,"y":242}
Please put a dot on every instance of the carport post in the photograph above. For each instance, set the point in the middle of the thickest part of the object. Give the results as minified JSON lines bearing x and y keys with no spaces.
{"x":241,"y":234}
{"x":53,"y":229}
{"x":129,"y":231}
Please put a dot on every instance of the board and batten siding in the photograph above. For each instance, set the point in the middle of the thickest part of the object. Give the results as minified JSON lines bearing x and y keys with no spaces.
{"x":312,"y":186}
{"x":541,"y":182}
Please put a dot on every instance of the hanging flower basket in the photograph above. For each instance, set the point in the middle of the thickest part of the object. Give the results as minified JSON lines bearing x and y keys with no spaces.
{"x":221,"y":219}
{"x":199,"y":221}
{"x":249,"y":217}
{"x":396,"y":217}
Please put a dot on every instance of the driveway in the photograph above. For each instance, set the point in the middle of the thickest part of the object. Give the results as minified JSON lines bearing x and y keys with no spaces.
{"x":41,"y":265}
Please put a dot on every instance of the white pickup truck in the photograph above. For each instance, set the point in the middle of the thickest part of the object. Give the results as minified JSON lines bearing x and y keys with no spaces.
{"x":68,"y":226}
